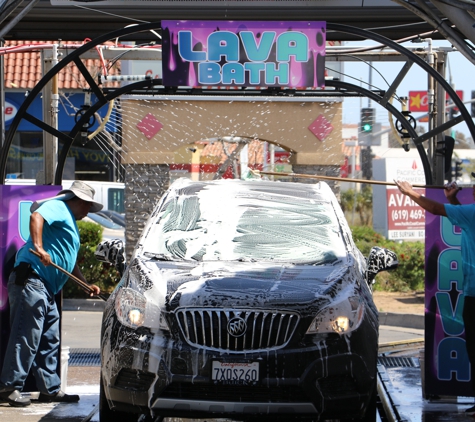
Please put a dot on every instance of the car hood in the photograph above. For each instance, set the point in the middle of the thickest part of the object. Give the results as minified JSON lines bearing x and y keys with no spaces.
{"x":244,"y":284}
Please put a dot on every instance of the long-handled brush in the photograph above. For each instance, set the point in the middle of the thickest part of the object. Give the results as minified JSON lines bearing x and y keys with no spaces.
{"x":341,"y":179}
{"x":86,"y":287}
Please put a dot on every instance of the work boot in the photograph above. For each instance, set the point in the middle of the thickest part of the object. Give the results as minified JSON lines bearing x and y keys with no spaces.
{"x":59,"y":397}
{"x":14,"y":398}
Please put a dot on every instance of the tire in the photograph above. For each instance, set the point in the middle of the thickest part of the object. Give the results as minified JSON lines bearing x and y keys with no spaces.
{"x":371,"y":414}
{"x":108,"y":415}
{"x":372,"y":408}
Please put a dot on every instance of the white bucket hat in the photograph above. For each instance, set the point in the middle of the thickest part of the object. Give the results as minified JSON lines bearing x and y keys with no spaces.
{"x":84,"y":192}
{"x":80,"y":189}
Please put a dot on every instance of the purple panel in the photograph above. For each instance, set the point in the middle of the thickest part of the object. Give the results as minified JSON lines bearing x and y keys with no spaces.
{"x":446,"y":362}
{"x":14,"y":222}
{"x":181,"y":70}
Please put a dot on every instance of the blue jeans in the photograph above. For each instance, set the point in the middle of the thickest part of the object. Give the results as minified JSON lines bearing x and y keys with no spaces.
{"x":34,"y":337}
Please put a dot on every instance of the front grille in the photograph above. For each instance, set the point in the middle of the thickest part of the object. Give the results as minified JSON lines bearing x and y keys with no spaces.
{"x":235,"y":393}
{"x":252,"y":330}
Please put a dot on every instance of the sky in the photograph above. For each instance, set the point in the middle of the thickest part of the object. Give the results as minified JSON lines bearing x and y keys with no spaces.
{"x":458,"y":72}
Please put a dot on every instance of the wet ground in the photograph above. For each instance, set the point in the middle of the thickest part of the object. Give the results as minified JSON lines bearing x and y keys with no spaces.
{"x":402,"y":383}
{"x":405,"y":389}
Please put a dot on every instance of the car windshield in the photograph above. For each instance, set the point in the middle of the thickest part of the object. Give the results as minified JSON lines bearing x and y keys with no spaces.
{"x":222,"y":223}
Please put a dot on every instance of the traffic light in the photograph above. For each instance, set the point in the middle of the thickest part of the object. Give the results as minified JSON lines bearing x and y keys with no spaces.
{"x":367,"y":163}
{"x":367,"y":120}
{"x":458,"y":169}
{"x":448,"y":150}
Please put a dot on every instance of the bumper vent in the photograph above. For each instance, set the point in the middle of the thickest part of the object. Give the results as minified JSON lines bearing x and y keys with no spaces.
{"x":335,"y":386}
{"x":133,"y":380}
{"x":236,"y":330}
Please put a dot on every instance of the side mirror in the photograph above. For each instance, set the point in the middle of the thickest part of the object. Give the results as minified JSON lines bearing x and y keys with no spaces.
{"x":112,"y":252}
{"x":380,"y":259}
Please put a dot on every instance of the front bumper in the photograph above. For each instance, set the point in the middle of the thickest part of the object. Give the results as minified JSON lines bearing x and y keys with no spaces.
{"x":331,"y":377}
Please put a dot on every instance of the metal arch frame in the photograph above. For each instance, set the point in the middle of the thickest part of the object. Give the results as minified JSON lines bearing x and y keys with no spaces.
{"x":400,"y":117}
{"x":72,"y":57}
{"x":103,"y":99}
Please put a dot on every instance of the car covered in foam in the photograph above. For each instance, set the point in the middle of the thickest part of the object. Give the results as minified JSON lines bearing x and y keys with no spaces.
{"x":246,"y":300}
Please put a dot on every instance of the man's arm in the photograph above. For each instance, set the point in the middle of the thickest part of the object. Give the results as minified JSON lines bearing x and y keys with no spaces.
{"x":77,"y":273}
{"x":36,"y":233}
{"x":430,"y":205}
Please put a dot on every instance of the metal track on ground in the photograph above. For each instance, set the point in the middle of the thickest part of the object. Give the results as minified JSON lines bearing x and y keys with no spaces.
{"x":84,"y":357}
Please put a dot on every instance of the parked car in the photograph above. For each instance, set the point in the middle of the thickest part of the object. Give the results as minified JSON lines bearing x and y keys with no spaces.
{"x":113,"y":216}
{"x":243,"y":299}
{"x":110,"y":230}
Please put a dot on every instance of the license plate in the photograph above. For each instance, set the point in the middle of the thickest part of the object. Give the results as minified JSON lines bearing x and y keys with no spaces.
{"x":235,"y":372}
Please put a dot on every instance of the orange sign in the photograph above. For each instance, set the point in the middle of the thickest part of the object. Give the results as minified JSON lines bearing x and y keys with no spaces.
{"x":419,"y":100}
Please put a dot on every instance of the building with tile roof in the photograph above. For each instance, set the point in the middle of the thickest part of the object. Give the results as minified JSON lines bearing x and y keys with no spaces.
{"x":23,"y":66}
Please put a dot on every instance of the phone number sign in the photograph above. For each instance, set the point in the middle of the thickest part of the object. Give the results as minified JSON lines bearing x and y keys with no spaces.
{"x":406,"y":219}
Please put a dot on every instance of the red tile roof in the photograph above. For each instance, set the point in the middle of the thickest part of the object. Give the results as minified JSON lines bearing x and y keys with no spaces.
{"x":217,"y":149}
{"x":22,"y":66}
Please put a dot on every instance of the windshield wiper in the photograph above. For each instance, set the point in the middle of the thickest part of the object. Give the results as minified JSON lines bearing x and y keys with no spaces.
{"x":159,"y":256}
{"x":246,"y":259}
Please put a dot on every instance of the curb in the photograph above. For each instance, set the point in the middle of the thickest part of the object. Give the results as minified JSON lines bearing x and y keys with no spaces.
{"x":89,"y":305}
{"x":385,"y":318}
{"x":401,"y":320}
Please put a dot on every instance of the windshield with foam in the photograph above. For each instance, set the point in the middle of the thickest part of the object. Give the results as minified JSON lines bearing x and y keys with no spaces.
{"x":237,"y":222}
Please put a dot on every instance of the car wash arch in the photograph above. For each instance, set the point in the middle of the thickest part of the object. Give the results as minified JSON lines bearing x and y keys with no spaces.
{"x":304,"y":120}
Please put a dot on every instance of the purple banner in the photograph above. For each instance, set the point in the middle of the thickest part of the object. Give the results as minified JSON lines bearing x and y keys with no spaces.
{"x":447,"y":369}
{"x":243,"y":53}
{"x":14,"y":225}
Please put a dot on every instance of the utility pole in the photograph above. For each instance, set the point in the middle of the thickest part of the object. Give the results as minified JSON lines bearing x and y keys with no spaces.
{"x":440,"y":156}
{"x":50,"y":117}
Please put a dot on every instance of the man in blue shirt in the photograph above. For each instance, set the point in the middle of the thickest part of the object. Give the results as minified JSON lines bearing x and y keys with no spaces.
{"x":464,"y":217}
{"x":34,"y":336}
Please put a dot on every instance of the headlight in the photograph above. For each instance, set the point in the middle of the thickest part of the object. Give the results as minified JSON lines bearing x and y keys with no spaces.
{"x":340,"y":318}
{"x":132,"y":310}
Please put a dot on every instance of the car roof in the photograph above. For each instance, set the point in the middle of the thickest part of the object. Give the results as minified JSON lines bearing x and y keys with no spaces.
{"x":318,"y":191}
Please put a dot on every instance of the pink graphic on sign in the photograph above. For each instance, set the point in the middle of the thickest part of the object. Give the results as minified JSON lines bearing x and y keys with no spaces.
{"x":149,"y":126}
{"x":321,"y":127}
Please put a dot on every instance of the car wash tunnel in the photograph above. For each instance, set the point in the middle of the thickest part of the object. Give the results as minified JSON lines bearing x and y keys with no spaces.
{"x":249,"y":100}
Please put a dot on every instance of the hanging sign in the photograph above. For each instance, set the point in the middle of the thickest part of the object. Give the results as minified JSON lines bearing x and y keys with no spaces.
{"x":11,"y":110}
{"x":419,"y":100}
{"x":243,"y":54}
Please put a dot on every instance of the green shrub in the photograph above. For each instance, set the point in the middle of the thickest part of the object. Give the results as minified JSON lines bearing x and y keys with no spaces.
{"x":411,"y":256}
{"x":103,"y":275}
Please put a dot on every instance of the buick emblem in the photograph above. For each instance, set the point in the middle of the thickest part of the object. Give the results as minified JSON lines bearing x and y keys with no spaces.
{"x":237,"y":327}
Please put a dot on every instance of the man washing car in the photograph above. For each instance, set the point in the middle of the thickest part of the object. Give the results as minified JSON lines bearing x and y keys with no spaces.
{"x":34,"y":318}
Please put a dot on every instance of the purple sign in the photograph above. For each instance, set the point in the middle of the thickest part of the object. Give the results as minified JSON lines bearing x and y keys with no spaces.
{"x":243,"y":53}
{"x":14,"y":224}
{"x":447,"y":369}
